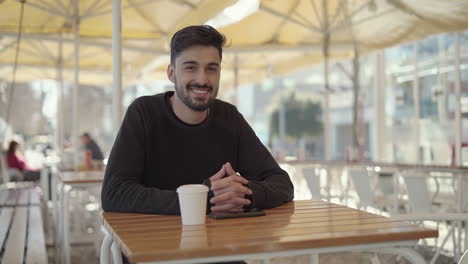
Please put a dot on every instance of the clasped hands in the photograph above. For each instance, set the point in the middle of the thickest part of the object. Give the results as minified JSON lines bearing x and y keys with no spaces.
{"x":229,"y":191}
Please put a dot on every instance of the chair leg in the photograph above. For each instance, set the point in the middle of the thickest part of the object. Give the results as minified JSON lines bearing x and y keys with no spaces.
{"x":117,"y":255}
{"x":105,"y":249}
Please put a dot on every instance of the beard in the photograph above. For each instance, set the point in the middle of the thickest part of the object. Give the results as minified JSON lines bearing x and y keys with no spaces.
{"x":192,"y":102}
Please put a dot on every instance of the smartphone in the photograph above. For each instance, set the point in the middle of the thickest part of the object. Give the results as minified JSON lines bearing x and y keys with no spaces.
{"x":236,"y":215}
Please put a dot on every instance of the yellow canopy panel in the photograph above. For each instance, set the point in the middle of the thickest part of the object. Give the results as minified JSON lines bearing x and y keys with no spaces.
{"x":281,"y":36}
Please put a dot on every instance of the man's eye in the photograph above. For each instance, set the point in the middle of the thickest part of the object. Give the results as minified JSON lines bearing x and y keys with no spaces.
{"x":213,"y":69}
{"x":190,"y":68}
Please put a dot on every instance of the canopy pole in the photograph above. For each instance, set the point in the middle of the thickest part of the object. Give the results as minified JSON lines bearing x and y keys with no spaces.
{"x":59,"y":133}
{"x":76,"y":83}
{"x":416,"y":106}
{"x":379,"y":107}
{"x":326,"y":112}
{"x":458,"y":114}
{"x":116,"y":64}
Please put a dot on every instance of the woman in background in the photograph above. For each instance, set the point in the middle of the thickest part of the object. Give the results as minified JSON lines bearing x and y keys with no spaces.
{"x":16,"y":161}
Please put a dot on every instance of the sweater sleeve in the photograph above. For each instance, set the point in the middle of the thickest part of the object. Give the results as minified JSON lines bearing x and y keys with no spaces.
{"x":270,"y":185}
{"x":123,"y":189}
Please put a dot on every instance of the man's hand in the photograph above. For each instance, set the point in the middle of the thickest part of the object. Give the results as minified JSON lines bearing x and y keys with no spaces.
{"x":229,"y":192}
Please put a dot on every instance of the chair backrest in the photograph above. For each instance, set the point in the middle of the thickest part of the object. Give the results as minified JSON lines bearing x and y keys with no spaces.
{"x":313,"y":181}
{"x":3,"y":168}
{"x":15,"y":175}
{"x":464,"y":258}
{"x":362,"y":185}
{"x":419,"y":196}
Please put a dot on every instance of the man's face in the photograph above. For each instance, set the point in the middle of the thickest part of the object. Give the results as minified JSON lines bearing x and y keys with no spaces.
{"x":196,"y":75}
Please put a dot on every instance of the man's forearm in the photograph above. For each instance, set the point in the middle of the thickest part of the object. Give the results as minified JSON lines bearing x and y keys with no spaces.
{"x":121,"y":196}
{"x":271,"y":192}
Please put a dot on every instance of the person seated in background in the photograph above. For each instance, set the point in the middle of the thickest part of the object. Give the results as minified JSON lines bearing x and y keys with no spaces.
{"x":93,"y":155}
{"x":16,"y":161}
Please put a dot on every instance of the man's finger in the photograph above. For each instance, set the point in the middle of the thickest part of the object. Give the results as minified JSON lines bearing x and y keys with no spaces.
{"x":229,"y":169}
{"x":228,"y":181}
{"x":237,"y":188}
{"x":229,"y":197}
{"x":224,"y":207}
{"x":219,"y":175}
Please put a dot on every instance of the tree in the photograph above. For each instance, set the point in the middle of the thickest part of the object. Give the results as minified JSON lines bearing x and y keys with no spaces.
{"x":303,"y":119}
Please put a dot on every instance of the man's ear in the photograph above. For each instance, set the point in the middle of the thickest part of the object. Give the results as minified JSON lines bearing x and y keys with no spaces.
{"x":170,"y":73}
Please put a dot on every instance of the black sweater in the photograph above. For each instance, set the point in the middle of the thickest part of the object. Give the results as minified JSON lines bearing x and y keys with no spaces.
{"x":155,"y":152}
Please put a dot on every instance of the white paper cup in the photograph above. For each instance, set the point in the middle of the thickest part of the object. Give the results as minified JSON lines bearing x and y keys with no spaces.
{"x":192,"y":200}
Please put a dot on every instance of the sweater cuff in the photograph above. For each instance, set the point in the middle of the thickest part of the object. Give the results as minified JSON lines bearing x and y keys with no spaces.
{"x":210,"y":195}
{"x":258,"y":196}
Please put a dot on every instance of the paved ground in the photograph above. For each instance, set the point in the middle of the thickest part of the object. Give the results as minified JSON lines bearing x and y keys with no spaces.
{"x":87,"y":254}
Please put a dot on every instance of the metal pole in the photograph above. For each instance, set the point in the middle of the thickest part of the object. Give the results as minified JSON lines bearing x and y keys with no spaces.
{"x":379,"y":107}
{"x":416,"y":121}
{"x":116,"y":64}
{"x":59,"y":133}
{"x":76,"y":82}
{"x":441,"y":80}
{"x":326,"y":112}
{"x":458,"y":119}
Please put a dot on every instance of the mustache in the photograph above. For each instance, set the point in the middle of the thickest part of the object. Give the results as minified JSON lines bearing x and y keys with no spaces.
{"x":201,"y":86}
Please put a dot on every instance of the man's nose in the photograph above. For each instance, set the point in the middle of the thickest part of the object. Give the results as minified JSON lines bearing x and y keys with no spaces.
{"x":202,"y":78}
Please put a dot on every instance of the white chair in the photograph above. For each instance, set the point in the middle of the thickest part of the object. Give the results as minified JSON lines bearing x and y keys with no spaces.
{"x":9,"y":174}
{"x":312,"y":176}
{"x":370,"y":193}
{"x":15,"y":174}
{"x":362,"y":185}
{"x":419,"y":196}
{"x":464,"y":258}
{"x":4,"y":170}
{"x":422,"y":209}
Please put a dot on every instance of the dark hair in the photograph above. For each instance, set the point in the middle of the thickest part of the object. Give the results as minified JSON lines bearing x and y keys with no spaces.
{"x":196,"y":35}
{"x":12,"y":147}
{"x":86,"y":134}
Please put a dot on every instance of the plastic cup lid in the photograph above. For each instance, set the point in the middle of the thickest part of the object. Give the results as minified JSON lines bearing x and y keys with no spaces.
{"x":192,"y":188}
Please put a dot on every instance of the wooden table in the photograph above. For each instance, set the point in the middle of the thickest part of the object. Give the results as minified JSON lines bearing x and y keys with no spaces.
{"x":60,"y":197}
{"x":21,"y":229}
{"x":299,"y":227}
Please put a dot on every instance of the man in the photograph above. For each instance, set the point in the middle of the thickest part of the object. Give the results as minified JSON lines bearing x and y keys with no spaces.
{"x":93,"y":152}
{"x":190,"y":137}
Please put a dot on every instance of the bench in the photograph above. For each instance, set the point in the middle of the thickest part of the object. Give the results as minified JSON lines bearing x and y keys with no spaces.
{"x":22,"y":237}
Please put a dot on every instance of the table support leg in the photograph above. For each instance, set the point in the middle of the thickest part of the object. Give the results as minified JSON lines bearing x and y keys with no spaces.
{"x":314,"y":259}
{"x":66,"y":227}
{"x":116,"y":254}
{"x":105,"y":249}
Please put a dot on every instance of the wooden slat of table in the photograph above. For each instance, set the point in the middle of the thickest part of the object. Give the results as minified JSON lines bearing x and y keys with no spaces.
{"x":34,"y":197}
{"x":6,"y":214}
{"x":11,"y":197}
{"x":37,"y":252}
{"x":19,"y":194}
{"x":297,"y":225}
{"x":14,"y":250}
{"x":70,"y":177}
{"x":22,"y":195}
{"x":3,"y":196}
